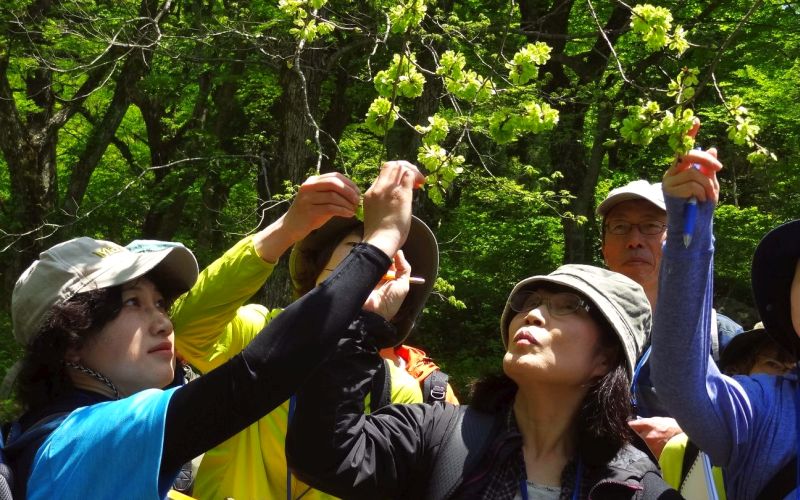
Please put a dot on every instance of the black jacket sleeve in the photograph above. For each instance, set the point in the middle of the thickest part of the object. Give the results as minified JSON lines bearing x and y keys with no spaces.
{"x":273,"y":366}
{"x":334,"y":447}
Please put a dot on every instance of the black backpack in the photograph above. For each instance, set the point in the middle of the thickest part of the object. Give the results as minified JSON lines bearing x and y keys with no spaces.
{"x":434,"y":388}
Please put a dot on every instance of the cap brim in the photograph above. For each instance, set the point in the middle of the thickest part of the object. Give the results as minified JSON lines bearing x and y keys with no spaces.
{"x":773,"y":269}
{"x":612,"y":201}
{"x":177,"y":269}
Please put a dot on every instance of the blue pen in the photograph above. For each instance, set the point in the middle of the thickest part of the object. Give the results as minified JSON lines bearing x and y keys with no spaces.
{"x":690,"y":214}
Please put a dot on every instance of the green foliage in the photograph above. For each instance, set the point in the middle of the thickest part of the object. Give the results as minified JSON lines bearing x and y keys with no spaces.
{"x":463,"y":83}
{"x":381,"y":116}
{"x":646,"y":121}
{"x":525,"y":65}
{"x":407,"y":15}
{"x":653,"y":25}
{"x":401,"y":78}
{"x":508,"y":124}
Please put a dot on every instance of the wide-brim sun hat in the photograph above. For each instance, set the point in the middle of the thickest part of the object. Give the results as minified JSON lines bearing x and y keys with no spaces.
{"x":741,"y":346}
{"x":421,"y":250}
{"x":772,"y":271}
{"x":619,"y":299}
{"x":84,"y":264}
{"x":636,"y":190}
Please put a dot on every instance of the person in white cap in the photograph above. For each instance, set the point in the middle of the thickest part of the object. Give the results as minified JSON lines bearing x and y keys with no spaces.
{"x":94,"y":319}
{"x":633,"y":231}
{"x":553,"y":425}
{"x":634,"y":222}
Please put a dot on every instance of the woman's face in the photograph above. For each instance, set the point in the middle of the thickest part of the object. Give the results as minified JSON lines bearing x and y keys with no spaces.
{"x":136,"y":349}
{"x":341,"y":251}
{"x":562,"y":349}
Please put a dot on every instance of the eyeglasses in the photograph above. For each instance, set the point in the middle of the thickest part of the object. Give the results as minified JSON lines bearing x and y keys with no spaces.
{"x":649,"y":228}
{"x":558,"y":304}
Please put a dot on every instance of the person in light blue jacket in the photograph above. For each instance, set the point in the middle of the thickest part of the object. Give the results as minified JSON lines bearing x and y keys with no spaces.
{"x":746,"y":424}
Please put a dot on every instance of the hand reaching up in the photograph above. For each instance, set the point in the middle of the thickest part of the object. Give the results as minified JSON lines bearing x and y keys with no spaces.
{"x":319,"y":198}
{"x":389,"y":295}
{"x":683,"y":181}
{"x":387,"y":206}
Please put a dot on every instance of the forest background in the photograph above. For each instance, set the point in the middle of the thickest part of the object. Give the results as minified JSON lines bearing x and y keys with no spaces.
{"x":195,"y":120}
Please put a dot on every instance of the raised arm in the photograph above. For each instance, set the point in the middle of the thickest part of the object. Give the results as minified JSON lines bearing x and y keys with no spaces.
{"x":712,"y":408}
{"x":216,"y":406}
{"x":209,"y":326}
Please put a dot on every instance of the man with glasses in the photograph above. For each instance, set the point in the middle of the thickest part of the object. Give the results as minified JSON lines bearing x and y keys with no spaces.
{"x":633,"y":234}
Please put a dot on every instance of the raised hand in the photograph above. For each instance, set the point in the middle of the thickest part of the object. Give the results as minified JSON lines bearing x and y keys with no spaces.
{"x":388,"y":296}
{"x":319,"y":198}
{"x":387,"y":206}
{"x":683,"y":181}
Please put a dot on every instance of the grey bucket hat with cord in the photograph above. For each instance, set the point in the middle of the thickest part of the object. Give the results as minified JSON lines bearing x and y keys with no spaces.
{"x":620,"y":300}
{"x":420,"y":249}
{"x":773,"y":269}
{"x":84,"y":264}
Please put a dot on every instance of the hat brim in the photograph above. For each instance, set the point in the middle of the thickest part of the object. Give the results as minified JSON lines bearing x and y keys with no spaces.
{"x":176,"y":267}
{"x":612,"y":201}
{"x":739,"y":347}
{"x":773,"y":269}
{"x":599,"y":302}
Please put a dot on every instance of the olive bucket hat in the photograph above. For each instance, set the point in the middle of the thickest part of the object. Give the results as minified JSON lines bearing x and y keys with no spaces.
{"x":772,"y":272}
{"x":310,"y":254}
{"x":620,"y":300}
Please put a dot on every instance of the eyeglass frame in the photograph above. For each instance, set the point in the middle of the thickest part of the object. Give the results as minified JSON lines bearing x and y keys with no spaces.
{"x":631,"y":225}
{"x":582,"y":303}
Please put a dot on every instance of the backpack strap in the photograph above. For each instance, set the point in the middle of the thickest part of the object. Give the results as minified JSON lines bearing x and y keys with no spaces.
{"x":434,"y":387}
{"x":381,"y":393}
{"x":462,"y":447}
{"x":655,"y":488}
{"x":27,"y":443}
{"x":782,"y":483}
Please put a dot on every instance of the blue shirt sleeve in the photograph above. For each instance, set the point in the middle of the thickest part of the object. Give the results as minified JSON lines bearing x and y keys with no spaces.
{"x":99,"y":447}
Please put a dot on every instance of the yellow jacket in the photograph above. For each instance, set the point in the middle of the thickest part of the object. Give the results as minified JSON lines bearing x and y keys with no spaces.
{"x":213,"y":324}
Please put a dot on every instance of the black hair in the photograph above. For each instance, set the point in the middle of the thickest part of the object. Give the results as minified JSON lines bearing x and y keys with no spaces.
{"x":70,"y":325}
{"x":314,"y":259}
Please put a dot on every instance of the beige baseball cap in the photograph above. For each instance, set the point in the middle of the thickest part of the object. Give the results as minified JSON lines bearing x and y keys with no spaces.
{"x":636,"y":190}
{"x":84,"y":264}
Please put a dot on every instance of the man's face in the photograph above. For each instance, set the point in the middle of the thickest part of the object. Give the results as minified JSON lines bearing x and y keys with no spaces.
{"x":635,"y":254}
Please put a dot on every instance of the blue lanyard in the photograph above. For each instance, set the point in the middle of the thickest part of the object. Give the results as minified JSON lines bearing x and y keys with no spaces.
{"x":576,"y":492}
{"x":635,"y":378}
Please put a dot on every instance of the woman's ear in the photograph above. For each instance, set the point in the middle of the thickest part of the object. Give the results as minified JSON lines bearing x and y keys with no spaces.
{"x":605,"y":360}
